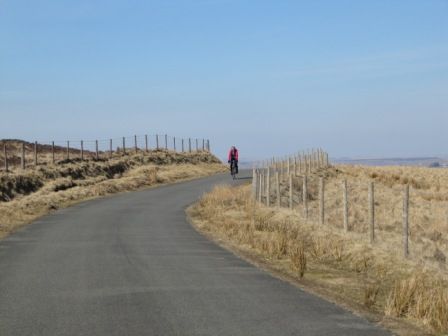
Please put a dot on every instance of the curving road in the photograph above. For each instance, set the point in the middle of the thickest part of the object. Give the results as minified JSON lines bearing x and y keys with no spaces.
{"x":132,"y":265}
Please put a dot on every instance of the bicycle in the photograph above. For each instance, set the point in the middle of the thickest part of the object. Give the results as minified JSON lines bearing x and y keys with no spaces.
{"x":233,"y":169}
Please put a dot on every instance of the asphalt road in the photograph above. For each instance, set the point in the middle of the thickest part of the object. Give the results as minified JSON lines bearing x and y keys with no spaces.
{"x":131,"y":265}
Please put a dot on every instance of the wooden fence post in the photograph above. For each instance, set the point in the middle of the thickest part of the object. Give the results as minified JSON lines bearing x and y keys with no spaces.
{"x":268,"y":188}
{"x":135,"y":144}
{"x":166,"y":141}
{"x":406,"y":221}
{"x":318,"y":158}
{"x":97,"y":155}
{"x":197,"y":146}
{"x":305,"y":197}
{"x":322,"y":201}
{"x":281,"y":170}
{"x":295,"y":165}
{"x":110,"y":148}
{"x":124,"y":145}
{"x":35,"y":153}
{"x":288,"y":170}
{"x":290,"y":192}
{"x":189,"y":145}
{"x":68,"y":150}
{"x":254,"y":183}
{"x":183,"y":148}
{"x":5,"y":154}
{"x":22,"y":161}
{"x":82,"y":150}
{"x":260,"y":186}
{"x":322,"y":158}
{"x":372,"y":212}
{"x":52,"y":152}
{"x":146,"y":142}
{"x":313,"y":159}
{"x":174,"y":143}
{"x":203,"y":144}
{"x":345,"y":204}
{"x":277,"y":188}
{"x":157,"y":141}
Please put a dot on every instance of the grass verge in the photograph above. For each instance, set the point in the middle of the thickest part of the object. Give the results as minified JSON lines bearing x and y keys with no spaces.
{"x":27,"y":195}
{"x":401,"y":295}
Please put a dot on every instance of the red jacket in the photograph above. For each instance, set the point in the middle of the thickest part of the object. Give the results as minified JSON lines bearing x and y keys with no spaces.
{"x":235,"y":154}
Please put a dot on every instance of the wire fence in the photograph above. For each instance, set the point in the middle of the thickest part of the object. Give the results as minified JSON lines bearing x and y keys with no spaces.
{"x":22,"y":154}
{"x":406,"y":214}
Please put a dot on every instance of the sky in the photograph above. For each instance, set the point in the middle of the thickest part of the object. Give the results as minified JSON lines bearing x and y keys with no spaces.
{"x":357,"y":78}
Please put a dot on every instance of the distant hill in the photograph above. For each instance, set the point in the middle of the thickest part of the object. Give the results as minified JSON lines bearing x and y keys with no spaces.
{"x":415,"y":161}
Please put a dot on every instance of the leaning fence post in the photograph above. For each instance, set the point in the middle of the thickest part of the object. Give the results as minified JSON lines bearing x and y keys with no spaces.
{"x":290,"y":191}
{"x":277,"y":188}
{"x":35,"y":153}
{"x":406,"y":221}
{"x":345,"y":204}
{"x":372,"y":212}
{"x":305,"y":197}
{"x":82,"y":150}
{"x":322,"y":201}
{"x":97,"y":154}
{"x":5,"y":154}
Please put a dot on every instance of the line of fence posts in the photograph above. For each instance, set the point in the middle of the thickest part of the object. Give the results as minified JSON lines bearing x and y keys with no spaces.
{"x":305,"y":163}
{"x":36,"y":152}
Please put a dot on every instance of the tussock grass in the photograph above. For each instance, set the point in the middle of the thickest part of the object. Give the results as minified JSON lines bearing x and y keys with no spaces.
{"x":342,"y":266}
{"x":27,"y":195}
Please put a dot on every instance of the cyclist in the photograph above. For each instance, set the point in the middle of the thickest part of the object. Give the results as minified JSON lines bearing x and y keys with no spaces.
{"x":233,"y":157}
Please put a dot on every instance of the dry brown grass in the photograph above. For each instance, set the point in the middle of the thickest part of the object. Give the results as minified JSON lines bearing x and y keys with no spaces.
{"x":342,"y":266}
{"x":428,"y":217}
{"x":27,"y":195}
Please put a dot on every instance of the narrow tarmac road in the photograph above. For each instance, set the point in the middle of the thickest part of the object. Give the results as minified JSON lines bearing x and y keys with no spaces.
{"x":131,"y":265}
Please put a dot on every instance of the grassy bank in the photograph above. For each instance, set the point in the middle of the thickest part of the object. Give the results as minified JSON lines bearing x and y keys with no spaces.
{"x":409,"y":296}
{"x":27,"y":195}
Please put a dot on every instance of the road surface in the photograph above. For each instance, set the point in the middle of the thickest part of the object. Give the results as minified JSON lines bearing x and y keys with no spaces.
{"x":131,"y":265}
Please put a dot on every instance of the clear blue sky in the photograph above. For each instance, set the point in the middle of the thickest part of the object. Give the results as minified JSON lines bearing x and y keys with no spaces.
{"x":359,"y":78}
